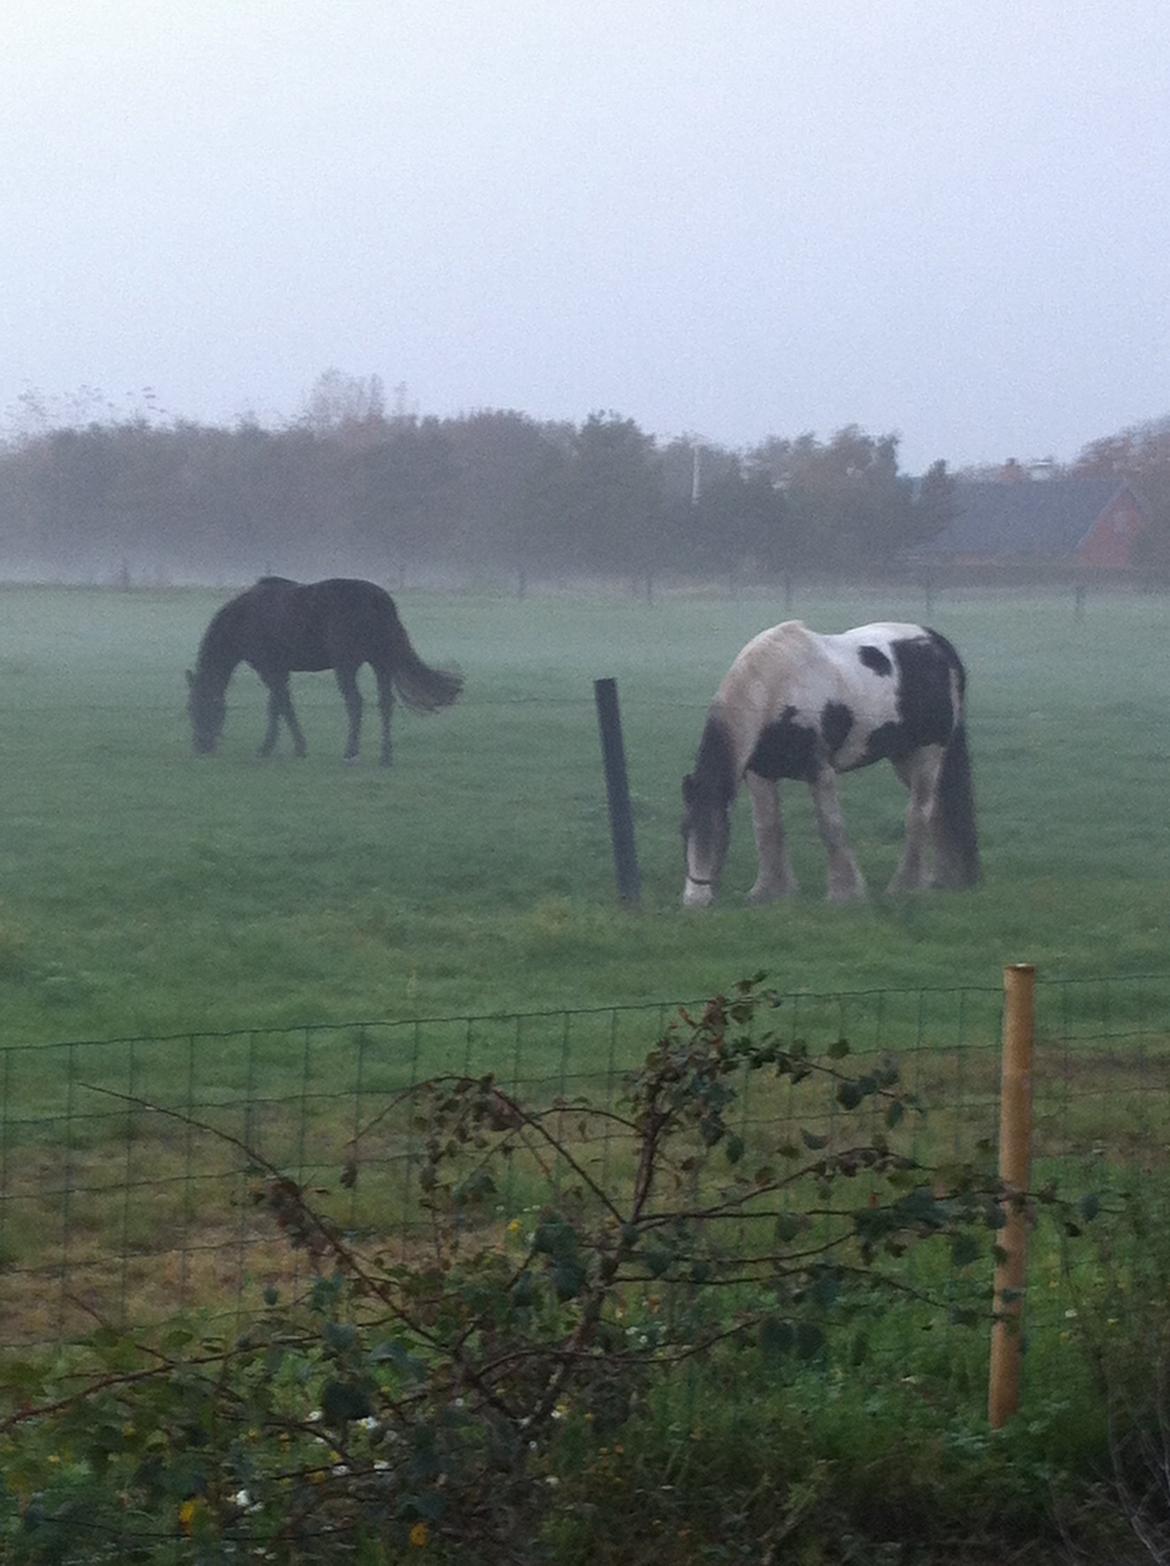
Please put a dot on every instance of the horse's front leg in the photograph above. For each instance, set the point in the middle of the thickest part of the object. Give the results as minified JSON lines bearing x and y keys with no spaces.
{"x":290,"y":717}
{"x":268,"y":744}
{"x":385,"y":710}
{"x":347,"y":682}
{"x":775,"y":877}
{"x":846,"y":882}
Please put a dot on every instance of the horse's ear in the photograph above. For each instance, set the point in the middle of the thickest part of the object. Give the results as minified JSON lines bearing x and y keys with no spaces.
{"x":190,"y":677}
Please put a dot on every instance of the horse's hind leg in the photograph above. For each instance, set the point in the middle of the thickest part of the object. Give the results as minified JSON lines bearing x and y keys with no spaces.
{"x":920,"y":773}
{"x":385,"y":709}
{"x":347,"y":681}
{"x":775,"y":877}
{"x":845,"y":879}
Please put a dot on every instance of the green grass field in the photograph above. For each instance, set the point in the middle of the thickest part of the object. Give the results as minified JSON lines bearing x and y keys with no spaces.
{"x":143,"y":890}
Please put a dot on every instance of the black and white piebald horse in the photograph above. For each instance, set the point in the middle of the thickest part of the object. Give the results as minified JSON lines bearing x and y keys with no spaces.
{"x":798,"y":705}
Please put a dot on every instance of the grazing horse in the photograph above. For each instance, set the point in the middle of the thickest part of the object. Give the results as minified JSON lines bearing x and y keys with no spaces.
{"x":280,"y":626}
{"x":798,"y":705}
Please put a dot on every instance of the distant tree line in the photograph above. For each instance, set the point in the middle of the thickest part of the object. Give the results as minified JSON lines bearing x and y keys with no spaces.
{"x":90,"y":490}
{"x":350,"y":485}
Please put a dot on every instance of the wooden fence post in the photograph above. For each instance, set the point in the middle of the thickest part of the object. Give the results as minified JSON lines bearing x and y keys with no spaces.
{"x":617,"y":789}
{"x":1015,"y":1171}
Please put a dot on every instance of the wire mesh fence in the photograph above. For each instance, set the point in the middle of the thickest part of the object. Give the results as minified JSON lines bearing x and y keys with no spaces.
{"x":127,"y":1167}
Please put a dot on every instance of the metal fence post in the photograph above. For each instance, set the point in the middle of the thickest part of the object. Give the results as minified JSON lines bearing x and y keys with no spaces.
{"x":1015,"y":1171}
{"x":617,"y":788}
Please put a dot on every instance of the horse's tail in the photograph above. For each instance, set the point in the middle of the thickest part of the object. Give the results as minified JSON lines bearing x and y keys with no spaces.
{"x":958,"y":840}
{"x":420,"y":687}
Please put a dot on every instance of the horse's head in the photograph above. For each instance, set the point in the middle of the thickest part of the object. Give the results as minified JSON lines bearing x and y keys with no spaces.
{"x":706,"y":832}
{"x":207,"y":711}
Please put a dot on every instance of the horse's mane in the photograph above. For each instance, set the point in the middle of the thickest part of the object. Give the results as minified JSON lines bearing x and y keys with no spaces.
{"x":714,"y":772}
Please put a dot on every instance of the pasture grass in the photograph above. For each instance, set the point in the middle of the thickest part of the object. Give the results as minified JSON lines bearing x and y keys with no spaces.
{"x":144,"y":891}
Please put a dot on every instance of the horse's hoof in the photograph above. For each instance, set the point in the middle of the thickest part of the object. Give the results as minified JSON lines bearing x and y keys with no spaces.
{"x":846,"y":894}
{"x":772,"y":894}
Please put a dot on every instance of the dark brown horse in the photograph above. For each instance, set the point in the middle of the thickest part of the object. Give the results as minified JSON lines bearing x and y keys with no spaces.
{"x":281,"y":627}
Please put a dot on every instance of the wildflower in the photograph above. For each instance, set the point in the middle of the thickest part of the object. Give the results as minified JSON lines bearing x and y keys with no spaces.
{"x":241,"y":1498}
{"x":368,"y":1423}
{"x":340,"y":1470}
{"x":420,"y":1536}
{"x":515,"y":1226}
{"x":1070,"y":1315}
{"x":560,"y":1411}
{"x":380,"y":1465}
{"x":53,"y":1458}
{"x":187,"y":1514}
{"x":552,"y":1481}
{"x":314,"y":1416}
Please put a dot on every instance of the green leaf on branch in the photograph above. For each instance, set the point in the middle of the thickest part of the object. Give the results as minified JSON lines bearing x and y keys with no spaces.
{"x":568,"y":1277}
{"x":777,"y":1337}
{"x":965,"y":1249}
{"x":342,"y":1401}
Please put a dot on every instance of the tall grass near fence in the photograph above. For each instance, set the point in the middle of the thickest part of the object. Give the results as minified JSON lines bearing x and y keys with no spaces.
{"x":126,"y":1171}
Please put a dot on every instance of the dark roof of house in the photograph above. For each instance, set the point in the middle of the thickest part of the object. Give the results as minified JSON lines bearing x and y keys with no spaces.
{"x":1026,"y":517}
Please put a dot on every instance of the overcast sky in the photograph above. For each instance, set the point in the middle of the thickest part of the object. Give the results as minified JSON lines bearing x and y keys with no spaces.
{"x":731,"y":217}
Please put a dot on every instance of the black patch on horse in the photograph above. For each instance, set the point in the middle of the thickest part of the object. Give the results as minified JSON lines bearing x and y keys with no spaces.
{"x":786,"y":749}
{"x":873,"y":658}
{"x":925,"y":709}
{"x":836,"y":721}
{"x":886,"y":743}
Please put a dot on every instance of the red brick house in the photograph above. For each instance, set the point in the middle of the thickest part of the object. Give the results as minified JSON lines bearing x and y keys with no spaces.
{"x":1091,"y":523}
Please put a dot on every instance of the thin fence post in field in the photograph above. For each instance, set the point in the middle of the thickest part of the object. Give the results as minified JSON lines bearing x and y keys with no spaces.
{"x":1015,"y":1171}
{"x":617,"y":788}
